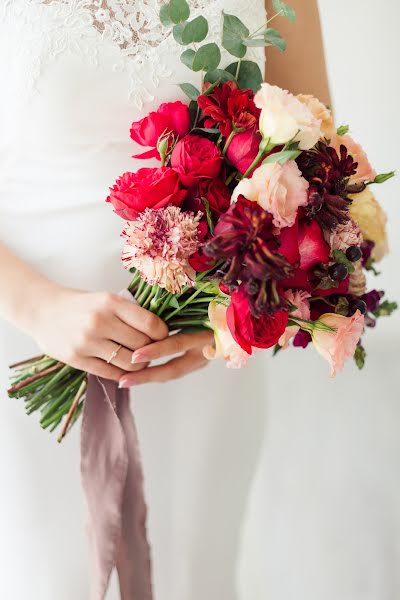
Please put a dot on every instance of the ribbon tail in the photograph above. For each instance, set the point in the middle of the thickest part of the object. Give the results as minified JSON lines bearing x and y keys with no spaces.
{"x":113,"y":483}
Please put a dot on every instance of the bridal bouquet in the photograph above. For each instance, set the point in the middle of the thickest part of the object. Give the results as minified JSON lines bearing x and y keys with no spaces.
{"x":258,"y":222}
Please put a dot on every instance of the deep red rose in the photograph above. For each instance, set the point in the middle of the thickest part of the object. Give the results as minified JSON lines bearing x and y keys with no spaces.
{"x":312,"y":247}
{"x":196,"y":158}
{"x":229,"y":106}
{"x":147,"y":188}
{"x":298,"y":280}
{"x":199,"y":261}
{"x":249,"y":331}
{"x":217,"y":194}
{"x":243,"y":149}
{"x":171,"y":117}
{"x":289,"y":239}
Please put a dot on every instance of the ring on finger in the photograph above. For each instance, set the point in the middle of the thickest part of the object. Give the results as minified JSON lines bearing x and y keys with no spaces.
{"x":114,"y":354}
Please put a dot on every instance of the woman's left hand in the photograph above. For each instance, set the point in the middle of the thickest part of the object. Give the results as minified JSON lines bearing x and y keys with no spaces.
{"x":188,"y":345}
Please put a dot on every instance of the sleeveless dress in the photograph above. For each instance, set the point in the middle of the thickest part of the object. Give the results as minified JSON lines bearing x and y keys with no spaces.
{"x":74,"y":75}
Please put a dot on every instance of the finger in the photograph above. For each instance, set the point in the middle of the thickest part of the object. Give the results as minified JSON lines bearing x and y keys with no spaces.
{"x":110,"y":352}
{"x":123,"y":334}
{"x":96,"y":366}
{"x":141,"y":319}
{"x":173,"y":369}
{"x":174,"y":344}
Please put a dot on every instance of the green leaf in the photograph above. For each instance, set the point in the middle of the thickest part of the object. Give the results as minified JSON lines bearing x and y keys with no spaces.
{"x":340,"y":257}
{"x":250,"y":76}
{"x":282,"y":157}
{"x":382,"y":177}
{"x":234,"y":32}
{"x":255,"y":43}
{"x":359,"y":356}
{"x":218,"y":76}
{"x":179,"y":11}
{"x":208,"y":215}
{"x":187,"y":57}
{"x":284,"y":9}
{"x":342,"y":306}
{"x":369,"y":266}
{"x":276,"y":349}
{"x":342,"y":130}
{"x":190,"y":90}
{"x":177,"y":32}
{"x":165,"y":17}
{"x":274,"y":38}
{"x":174,"y":302}
{"x":195,"y":31}
{"x":207,"y":58}
{"x":211,"y":130}
{"x":385,"y":309}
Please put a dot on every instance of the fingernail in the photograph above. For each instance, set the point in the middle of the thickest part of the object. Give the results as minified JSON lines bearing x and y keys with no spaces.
{"x":138,"y":358}
{"x":126,"y":383}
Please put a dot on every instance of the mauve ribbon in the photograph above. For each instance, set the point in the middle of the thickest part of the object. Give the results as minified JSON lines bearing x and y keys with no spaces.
{"x":112,"y":479}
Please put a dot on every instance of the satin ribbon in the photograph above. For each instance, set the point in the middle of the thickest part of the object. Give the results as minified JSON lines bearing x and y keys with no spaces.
{"x":112,"y":479}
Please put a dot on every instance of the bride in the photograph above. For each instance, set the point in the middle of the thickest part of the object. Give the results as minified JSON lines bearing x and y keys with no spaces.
{"x":75,"y":74}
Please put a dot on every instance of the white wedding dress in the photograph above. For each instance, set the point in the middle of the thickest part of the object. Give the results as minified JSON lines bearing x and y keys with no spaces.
{"x":74,"y":74}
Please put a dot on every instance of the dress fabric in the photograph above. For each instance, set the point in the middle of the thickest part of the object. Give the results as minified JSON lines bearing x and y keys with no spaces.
{"x":75,"y":74}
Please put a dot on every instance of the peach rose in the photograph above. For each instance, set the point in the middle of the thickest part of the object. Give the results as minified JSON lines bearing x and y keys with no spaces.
{"x":339,"y":345}
{"x":284,"y":118}
{"x":364,"y":170}
{"x":366,"y":211}
{"x":225,"y":345}
{"x":320,"y":112}
{"x":299,"y":299}
{"x":278,"y":189}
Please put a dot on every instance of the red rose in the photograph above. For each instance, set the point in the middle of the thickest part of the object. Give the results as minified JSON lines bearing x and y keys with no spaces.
{"x":312,"y":246}
{"x":228,"y":106}
{"x":243,"y":149}
{"x":199,"y":261}
{"x":249,"y":331}
{"x":148,"y":188}
{"x":196,"y":158}
{"x":171,"y":118}
{"x":217,"y":194}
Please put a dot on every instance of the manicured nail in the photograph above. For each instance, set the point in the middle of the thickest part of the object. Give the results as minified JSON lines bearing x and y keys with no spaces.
{"x":126,"y":383}
{"x":137,"y":357}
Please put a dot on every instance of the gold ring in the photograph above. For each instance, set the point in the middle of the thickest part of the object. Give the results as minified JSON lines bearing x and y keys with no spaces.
{"x":114,"y":354}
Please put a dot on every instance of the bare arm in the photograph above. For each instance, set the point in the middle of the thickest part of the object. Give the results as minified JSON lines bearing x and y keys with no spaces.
{"x":301,"y":68}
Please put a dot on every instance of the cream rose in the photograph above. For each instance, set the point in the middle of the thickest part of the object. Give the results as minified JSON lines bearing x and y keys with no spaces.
{"x":278,"y":189}
{"x":366,"y":211}
{"x":225,"y":345}
{"x":320,"y":112}
{"x":284,"y":118}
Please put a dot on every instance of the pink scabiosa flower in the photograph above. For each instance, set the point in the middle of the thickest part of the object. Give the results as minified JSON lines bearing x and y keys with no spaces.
{"x":159,"y":244}
{"x":225,"y":345}
{"x":338,"y":345}
{"x":298,"y":299}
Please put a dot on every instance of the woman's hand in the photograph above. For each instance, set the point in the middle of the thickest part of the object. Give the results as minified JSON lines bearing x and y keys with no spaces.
{"x":188,"y":345}
{"x":85,"y":329}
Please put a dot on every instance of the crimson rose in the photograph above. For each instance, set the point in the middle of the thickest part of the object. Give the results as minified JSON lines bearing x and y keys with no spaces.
{"x":243,"y":149}
{"x":147,"y":188}
{"x":171,"y":119}
{"x":250,"y":331}
{"x":196,"y":158}
{"x":217,"y":194}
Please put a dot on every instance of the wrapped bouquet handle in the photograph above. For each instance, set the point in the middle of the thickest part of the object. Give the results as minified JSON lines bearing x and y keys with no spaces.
{"x":112,"y":480}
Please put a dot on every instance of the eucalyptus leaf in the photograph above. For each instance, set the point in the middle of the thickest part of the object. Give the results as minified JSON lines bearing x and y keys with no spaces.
{"x":190,"y":90}
{"x":282,"y":157}
{"x":179,"y":11}
{"x":234,"y":32}
{"x":250,"y":76}
{"x":284,"y":9}
{"x":177,"y":32}
{"x":207,"y":58}
{"x":195,"y":31}
{"x":274,"y":38}
{"x":218,"y":76}
{"x":165,"y":17}
{"x":187,"y":57}
{"x":256,"y":43}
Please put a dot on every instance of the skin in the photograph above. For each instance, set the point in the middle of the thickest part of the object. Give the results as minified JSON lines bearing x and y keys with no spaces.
{"x":92,"y":325}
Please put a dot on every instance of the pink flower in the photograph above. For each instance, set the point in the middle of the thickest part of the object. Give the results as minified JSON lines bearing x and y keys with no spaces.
{"x":344,"y":236}
{"x":225,"y":345}
{"x":159,"y":244}
{"x":364,"y":172}
{"x":312,"y":246}
{"x":339,"y":345}
{"x":280,"y":190}
{"x":172,"y":120}
{"x":299,"y":299}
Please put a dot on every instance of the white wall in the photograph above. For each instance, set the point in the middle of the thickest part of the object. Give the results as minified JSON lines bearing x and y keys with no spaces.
{"x":325,"y":519}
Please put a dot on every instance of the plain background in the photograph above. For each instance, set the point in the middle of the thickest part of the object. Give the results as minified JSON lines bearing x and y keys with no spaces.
{"x":330,"y":471}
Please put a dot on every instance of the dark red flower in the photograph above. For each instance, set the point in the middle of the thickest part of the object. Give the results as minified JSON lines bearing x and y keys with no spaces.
{"x":199,"y":261}
{"x":217,"y":194}
{"x":249,"y":331}
{"x":171,"y":119}
{"x":228,"y":106}
{"x":196,"y":158}
{"x":244,"y":239}
{"x":302,"y":339}
{"x":147,"y":188}
{"x":372,"y":299}
{"x":243,"y":149}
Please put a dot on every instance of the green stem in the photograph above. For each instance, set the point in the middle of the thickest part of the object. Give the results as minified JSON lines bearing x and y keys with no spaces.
{"x":228,"y":141}
{"x":238,"y":68}
{"x":188,"y":301}
{"x":255,"y":162}
{"x":231,"y":177}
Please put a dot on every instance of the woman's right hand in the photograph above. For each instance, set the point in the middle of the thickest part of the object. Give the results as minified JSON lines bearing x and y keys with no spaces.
{"x":83,"y":329}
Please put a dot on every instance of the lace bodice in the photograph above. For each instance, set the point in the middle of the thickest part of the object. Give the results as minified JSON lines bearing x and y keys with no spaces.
{"x":128,"y":30}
